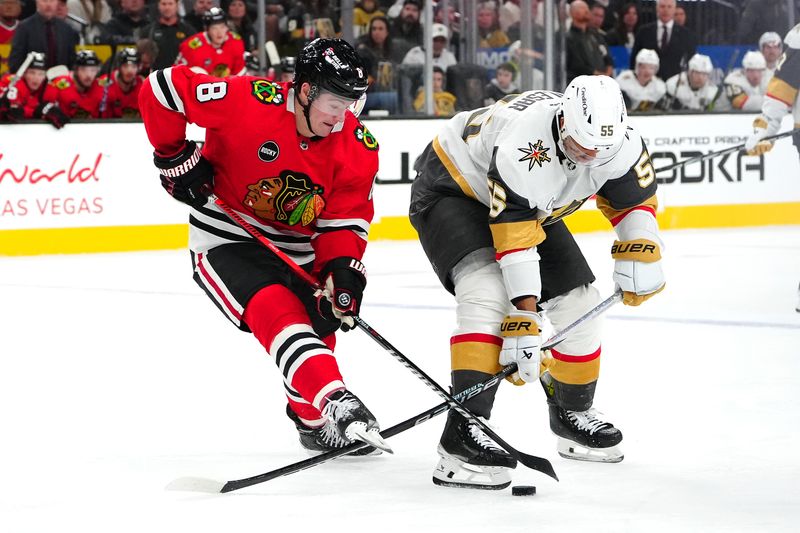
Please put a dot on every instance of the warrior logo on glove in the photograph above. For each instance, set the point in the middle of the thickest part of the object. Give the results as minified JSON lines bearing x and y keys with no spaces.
{"x":289,"y":198}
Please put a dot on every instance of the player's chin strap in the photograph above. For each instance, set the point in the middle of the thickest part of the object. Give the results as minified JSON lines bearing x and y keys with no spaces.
{"x":312,"y":94}
{"x":712,"y":155}
{"x":531,"y":461}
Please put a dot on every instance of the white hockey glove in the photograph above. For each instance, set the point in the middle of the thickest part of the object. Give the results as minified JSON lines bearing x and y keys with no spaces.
{"x":521,"y":342}
{"x":637,"y":269}
{"x":754,"y":144}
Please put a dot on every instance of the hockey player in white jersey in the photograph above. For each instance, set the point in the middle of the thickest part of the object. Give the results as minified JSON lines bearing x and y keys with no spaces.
{"x":745,"y":87}
{"x":488,"y":201}
{"x":693,"y":89}
{"x":783,"y":97}
{"x":641,"y":87}
{"x":771,"y":46}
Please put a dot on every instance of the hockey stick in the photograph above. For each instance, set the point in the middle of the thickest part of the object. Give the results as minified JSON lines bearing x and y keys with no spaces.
{"x":18,"y":76}
{"x":732,"y":149}
{"x":208,"y":485}
{"x":531,"y":461}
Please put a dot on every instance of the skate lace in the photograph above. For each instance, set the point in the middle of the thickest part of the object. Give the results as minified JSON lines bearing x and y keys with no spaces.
{"x":335,"y":410}
{"x":483,"y":440}
{"x":330,"y":436}
{"x":587,"y":420}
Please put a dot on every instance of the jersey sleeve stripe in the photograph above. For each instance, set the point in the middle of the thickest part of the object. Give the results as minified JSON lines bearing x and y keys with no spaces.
{"x":453,"y":170}
{"x":780,"y":90}
{"x":169,"y":97}
{"x":516,"y":235}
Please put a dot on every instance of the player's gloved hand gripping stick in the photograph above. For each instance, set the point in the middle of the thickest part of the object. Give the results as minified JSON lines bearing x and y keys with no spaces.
{"x":535,"y":463}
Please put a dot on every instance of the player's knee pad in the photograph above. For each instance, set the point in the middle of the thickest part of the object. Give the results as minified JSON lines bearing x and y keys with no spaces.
{"x":566,"y":309}
{"x":481,"y":301}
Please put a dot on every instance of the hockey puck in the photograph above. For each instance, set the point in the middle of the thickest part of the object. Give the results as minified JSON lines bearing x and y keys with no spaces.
{"x":523,"y":490}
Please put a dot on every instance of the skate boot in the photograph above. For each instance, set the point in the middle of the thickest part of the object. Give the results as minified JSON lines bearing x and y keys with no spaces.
{"x":582,"y":435}
{"x":323,"y":439}
{"x":353,"y":420}
{"x":470,"y":459}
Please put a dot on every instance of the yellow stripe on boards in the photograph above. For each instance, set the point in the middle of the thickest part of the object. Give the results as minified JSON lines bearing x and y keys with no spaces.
{"x":102,"y":239}
{"x":174,"y":236}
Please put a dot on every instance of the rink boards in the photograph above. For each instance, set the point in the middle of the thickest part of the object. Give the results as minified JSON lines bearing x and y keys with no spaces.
{"x":92,"y":187}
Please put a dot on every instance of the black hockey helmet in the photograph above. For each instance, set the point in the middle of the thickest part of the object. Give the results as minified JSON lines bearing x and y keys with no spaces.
{"x":251,"y":61}
{"x":39,"y":61}
{"x":288,"y":64}
{"x":215,"y":15}
{"x":128,"y":55}
{"x":86,"y":58}
{"x":332,"y":65}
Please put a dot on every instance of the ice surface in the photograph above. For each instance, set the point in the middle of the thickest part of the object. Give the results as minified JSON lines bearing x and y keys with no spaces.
{"x":118,"y":376}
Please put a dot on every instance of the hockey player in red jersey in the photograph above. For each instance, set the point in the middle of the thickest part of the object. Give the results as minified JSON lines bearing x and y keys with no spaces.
{"x":218,"y":51}
{"x":299,"y":166}
{"x":76,"y":95}
{"x":25,"y":97}
{"x":121,"y":88}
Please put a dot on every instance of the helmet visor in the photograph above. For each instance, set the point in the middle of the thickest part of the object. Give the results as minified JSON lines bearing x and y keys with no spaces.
{"x":332,"y":104}
{"x":586,"y":156}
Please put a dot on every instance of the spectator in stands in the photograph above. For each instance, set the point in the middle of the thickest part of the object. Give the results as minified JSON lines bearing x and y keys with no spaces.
{"x":523,"y":58}
{"x":674,"y":44}
{"x":489,"y":33}
{"x":22,"y":101}
{"x":745,"y":87}
{"x":126,"y":26}
{"x":597,"y":19}
{"x":217,"y":50}
{"x":451,"y":19}
{"x":641,"y":88}
{"x":501,"y":85}
{"x":692,"y":89}
{"x":240,"y":23}
{"x":376,"y":51}
{"x":771,"y":46}
{"x":444,"y":103}
{"x":509,"y":18}
{"x":148,"y":55}
{"x":586,"y":52}
{"x":121,"y":87}
{"x":94,"y":12}
{"x":9,"y":19}
{"x":680,"y":16}
{"x":406,"y":31}
{"x":442,"y":57}
{"x":199,"y":8}
{"x":76,"y":95}
{"x":363,"y":12}
{"x":44,"y":32}
{"x":760,"y":16}
{"x":168,"y":32}
{"x":624,"y":32}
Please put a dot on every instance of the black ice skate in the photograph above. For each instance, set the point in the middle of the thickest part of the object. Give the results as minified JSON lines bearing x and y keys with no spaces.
{"x":323,"y":439}
{"x":584,"y":436}
{"x":353,"y":420}
{"x":470,"y":459}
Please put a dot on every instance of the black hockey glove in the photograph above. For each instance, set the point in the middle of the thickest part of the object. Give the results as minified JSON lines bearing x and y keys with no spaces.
{"x":50,"y":112}
{"x":188,"y":176}
{"x":5,"y":106}
{"x":344,"y":279}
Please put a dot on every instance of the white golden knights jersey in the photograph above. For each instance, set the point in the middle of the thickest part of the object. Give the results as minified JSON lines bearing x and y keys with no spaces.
{"x":507,"y":157}
{"x":699,"y":100}
{"x":640,"y":97}
{"x":739,"y":94}
{"x":782,"y":90}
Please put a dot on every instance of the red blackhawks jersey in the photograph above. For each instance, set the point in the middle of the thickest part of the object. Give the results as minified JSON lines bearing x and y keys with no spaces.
{"x":75,"y":104}
{"x":116,"y":102}
{"x":21,"y":95}
{"x":226,"y":60}
{"x":311,"y":198}
{"x":7,"y":32}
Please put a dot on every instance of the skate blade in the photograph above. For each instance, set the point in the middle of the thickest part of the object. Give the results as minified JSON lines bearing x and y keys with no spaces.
{"x":371,"y":437}
{"x":452,"y":472}
{"x":572,"y":450}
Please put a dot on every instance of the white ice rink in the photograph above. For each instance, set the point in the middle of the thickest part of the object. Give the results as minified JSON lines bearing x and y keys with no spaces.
{"x":117,"y":376}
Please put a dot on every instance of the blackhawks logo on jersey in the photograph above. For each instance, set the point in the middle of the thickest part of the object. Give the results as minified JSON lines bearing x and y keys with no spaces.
{"x":62,"y":83}
{"x":290,"y":198}
{"x":365,"y":137}
{"x":535,"y":154}
{"x":267,"y":92}
{"x":195,"y":43}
